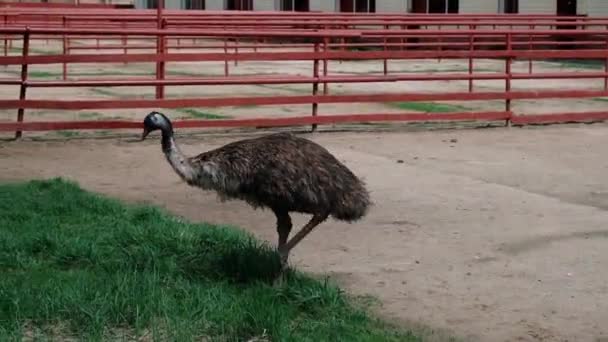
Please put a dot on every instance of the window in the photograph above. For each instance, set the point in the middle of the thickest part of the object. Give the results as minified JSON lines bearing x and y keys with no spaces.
{"x":365,"y":6}
{"x":195,"y":4}
{"x":438,"y":6}
{"x":295,"y":5}
{"x":452,"y":6}
{"x":511,"y":6}
{"x":151,"y":3}
{"x":239,"y":5}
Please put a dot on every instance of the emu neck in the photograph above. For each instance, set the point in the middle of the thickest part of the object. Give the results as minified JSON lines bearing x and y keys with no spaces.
{"x":180,"y":163}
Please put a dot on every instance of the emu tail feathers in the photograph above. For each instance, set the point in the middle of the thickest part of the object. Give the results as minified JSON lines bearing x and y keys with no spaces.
{"x":353,"y":205}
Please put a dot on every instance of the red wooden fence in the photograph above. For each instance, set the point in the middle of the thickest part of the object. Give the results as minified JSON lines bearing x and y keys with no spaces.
{"x":503,"y":41}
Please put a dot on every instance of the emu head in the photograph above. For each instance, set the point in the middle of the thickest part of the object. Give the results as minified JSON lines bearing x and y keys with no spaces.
{"x":156,"y":121}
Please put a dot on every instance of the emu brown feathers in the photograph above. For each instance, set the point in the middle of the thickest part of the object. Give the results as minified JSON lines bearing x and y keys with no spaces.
{"x":279,"y":171}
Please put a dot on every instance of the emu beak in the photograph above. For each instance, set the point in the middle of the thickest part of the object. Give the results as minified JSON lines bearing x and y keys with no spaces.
{"x":145,"y":133}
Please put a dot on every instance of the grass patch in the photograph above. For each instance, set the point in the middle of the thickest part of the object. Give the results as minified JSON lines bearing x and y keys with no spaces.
{"x":89,"y":115}
{"x":79,"y":265}
{"x":67,"y":134}
{"x":428,"y":107}
{"x":579,"y":63}
{"x":104,"y":92}
{"x":42,"y":74}
{"x":198,"y":114}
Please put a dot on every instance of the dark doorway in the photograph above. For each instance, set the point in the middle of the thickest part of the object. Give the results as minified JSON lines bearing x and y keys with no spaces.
{"x":453,"y":6}
{"x":566,"y":7}
{"x":443,"y":6}
{"x":239,"y":5}
{"x":362,"y":6}
{"x":295,"y":5}
{"x":437,"y":6}
{"x":195,"y":4}
{"x":419,"y":6}
{"x":151,"y":3}
{"x":511,"y":6}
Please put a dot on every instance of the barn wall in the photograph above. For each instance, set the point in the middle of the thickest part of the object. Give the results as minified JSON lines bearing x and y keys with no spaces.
{"x":597,"y":8}
{"x":214,"y":5}
{"x":478,"y":6}
{"x":324,"y":5}
{"x":538,"y":6}
{"x":264,"y":5}
{"x":391,"y":6}
{"x":173,"y":4}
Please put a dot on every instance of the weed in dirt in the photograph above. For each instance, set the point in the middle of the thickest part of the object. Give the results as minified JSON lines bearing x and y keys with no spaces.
{"x":42,"y":74}
{"x":89,"y":115}
{"x":105,"y":92}
{"x":578,"y":63}
{"x":198,"y":114}
{"x":428,"y":107}
{"x":67,"y":134}
{"x":79,"y":265}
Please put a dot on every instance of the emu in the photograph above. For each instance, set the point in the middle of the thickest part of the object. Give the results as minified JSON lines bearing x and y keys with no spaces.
{"x":279,"y":171}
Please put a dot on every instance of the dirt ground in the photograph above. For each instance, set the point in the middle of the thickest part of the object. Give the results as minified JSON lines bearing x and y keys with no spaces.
{"x":491,"y":234}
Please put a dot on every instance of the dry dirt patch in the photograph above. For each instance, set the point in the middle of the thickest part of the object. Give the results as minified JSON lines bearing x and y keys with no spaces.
{"x":495,"y":235}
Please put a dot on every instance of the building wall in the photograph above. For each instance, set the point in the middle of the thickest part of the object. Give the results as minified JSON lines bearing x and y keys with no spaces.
{"x":478,"y":6}
{"x":264,"y":5}
{"x":391,"y":6}
{"x":214,"y":5}
{"x":174,"y":4}
{"x":538,"y":6}
{"x":596,"y":8}
{"x":324,"y":5}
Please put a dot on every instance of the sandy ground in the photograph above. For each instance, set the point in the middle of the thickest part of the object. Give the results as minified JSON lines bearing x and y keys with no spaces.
{"x":491,"y":234}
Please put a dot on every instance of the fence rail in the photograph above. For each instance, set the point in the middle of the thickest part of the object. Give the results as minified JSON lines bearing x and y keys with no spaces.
{"x":326,"y":42}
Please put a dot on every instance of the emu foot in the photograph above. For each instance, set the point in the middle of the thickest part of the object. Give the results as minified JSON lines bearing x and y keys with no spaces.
{"x":284,"y":254}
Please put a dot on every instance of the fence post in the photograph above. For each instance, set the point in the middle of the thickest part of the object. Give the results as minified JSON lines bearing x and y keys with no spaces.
{"x":5,"y":36}
{"x":606,"y":66}
{"x":226,"y":64}
{"x":325,"y":65}
{"x":124,"y":41}
{"x":160,"y":51}
{"x":385,"y":64}
{"x":471,"y":50}
{"x":532,"y":27}
{"x":508,"y":62}
{"x":23,"y":87}
{"x":66,"y":49}
{"x":236,"y":51}
{"x":160,"y":64}
{"x":315,"y":85}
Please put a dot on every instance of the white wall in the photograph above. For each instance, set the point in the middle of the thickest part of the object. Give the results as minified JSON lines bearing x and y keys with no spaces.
{"x":538,"y":6}
{"x":174,"y":4}
{"x":323,"y":5}
{"x":391,"y":6}
{"x":264,"y":5}
{"x":597,"y":8}
{"x":479,"y":6}
{"x":214,"y":5}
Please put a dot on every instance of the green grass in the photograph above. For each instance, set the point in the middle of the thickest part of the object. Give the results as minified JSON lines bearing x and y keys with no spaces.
{"x":89,"y":115}
{"x":79,"y":265}
{"x":198,"y":114}
{"x":579,"y":63}
{"x":67,"y":134}
{"x":428,"y":107}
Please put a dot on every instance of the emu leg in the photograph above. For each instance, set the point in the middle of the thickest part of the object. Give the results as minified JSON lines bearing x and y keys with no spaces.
{"x":284,"y":226}
{"x":315,"y":221}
